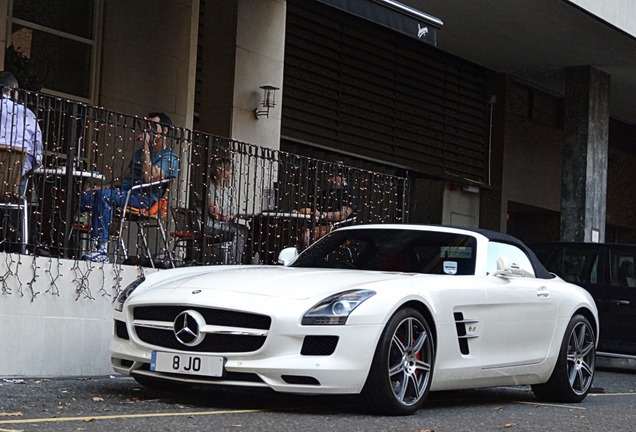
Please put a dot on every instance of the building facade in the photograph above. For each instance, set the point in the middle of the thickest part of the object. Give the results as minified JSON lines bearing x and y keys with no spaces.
{"x":515,"y":117}
{"x":512,"y":116}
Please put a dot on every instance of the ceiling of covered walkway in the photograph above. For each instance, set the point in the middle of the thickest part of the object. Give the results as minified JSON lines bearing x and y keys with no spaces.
{"x":534,"y":40}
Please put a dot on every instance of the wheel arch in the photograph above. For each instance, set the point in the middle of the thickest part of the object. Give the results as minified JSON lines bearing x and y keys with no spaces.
{"x":424,"y":310}
{"x":590,"y":317}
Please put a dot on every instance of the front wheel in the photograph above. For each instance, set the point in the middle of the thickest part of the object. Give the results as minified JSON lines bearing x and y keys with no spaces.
{"x":573,"y":373}
{"x":402,"y":366}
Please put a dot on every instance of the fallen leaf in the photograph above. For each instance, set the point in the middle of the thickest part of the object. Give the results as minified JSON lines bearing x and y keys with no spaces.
{"x":14,"y":381}
{"x":98,"y":399}
{"x":509,"y":425}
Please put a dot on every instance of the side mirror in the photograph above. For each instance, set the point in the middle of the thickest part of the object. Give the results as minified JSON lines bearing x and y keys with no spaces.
{"x":508,"y":268}
{"x":287,"y":256}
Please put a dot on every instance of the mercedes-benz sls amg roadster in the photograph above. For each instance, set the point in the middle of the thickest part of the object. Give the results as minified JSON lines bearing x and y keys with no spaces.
{"x":388,"y":312}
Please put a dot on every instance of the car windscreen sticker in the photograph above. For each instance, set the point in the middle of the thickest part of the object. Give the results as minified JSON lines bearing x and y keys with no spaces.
{"x":450,"y":267}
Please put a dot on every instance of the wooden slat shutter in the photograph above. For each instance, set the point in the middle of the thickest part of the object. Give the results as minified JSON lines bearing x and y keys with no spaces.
{"x":359,"y":88}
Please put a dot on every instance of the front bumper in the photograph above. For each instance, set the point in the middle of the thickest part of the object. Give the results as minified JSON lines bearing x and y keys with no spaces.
{"x":278,"y":364}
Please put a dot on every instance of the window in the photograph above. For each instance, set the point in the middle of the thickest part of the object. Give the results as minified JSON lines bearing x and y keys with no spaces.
{"x":622,"y":268}
{"x":513,"y":253}
{"x":59,"y":36}
{"x":408,"y":250}
{"x":580,"y":265}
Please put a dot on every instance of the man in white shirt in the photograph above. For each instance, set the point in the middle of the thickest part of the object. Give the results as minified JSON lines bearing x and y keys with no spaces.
{"x":19,"y":126}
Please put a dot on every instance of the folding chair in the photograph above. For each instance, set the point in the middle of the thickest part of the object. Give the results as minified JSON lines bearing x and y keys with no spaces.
{"x":153,"y":217}
{"x":12,"y":161}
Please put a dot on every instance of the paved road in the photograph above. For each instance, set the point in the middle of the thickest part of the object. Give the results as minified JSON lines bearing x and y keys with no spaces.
{"x":119,"y":404}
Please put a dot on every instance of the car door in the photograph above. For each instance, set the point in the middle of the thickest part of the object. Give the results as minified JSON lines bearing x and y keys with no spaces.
{"x":520,"y":313}
{"x":596,"y":267}
{"x":618,"y":307}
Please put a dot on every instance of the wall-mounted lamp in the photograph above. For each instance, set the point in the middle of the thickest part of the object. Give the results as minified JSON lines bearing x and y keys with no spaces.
{"x":269,"y":101}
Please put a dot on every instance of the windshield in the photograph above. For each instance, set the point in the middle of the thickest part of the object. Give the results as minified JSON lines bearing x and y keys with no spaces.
{"x":394,"y":250}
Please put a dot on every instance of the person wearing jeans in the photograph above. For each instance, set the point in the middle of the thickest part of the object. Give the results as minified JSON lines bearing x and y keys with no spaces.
{"x":151,"y":162}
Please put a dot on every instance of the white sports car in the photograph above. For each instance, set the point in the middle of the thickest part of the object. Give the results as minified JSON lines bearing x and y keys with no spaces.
{"x":389,"y":312}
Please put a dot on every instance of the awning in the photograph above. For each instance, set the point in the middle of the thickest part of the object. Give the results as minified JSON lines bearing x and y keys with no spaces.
{"x":394,"y":15}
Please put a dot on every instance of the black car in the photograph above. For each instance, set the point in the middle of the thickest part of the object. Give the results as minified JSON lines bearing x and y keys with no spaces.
{"x":607,"y":272}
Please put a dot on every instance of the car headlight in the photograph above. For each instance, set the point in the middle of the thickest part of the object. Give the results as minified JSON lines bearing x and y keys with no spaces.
{"x":335,"y":310}
{"x":126,"y":292}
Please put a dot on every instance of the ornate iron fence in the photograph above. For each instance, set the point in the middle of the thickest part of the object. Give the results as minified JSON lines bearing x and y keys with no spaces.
{"x":85,"y":147}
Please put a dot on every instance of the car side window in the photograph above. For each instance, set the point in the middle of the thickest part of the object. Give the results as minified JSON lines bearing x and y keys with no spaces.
{"x":511,"y":252}
{"x":622,"y":269}
{"x":579,"y":265}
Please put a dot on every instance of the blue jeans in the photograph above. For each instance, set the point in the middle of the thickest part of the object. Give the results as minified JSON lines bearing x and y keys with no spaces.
{"x":101,"y":203}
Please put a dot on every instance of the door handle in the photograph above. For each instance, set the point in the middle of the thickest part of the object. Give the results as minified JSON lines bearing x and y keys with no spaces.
{"x":543,"y":292}
{"x":620,"y":302}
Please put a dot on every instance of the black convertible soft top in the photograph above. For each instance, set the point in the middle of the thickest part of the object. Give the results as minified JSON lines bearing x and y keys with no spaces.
{"x":539,"y":270}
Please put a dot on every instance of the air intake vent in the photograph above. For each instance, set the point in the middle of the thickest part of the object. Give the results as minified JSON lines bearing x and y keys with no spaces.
{"x":120,"y":330}
{"x":319,"y":345}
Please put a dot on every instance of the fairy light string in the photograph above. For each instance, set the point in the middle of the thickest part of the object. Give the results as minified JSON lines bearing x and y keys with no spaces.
{"x":87,"y":146}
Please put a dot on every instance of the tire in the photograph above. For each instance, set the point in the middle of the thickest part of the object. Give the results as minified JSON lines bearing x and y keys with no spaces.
{"x":400,"y":376}
{"x":159,"y":384}
{"x":573,"y":373}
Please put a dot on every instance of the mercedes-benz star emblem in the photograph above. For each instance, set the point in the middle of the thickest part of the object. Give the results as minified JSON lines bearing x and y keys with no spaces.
{"x":187,"y":327}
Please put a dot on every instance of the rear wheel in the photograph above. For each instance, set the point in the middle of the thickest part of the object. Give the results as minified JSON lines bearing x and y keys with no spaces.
{"x":400,"y":376}
{"x":573,"y":373}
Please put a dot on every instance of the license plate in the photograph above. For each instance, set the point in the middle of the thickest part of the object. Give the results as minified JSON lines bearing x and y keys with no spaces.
{"x":192,"y":364}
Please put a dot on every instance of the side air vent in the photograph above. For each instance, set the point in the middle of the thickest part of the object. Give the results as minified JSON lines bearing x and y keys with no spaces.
{"x":462,"y":336}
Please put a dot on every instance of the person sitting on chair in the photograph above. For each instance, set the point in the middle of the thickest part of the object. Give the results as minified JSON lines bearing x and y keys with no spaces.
{"x":223,"y":213}
{"x":334,"y":206}
{"x":151,"y":162}
{"x":19,"y":127}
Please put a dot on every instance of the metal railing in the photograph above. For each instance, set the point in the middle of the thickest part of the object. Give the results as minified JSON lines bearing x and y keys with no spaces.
{"x":86,"y":146}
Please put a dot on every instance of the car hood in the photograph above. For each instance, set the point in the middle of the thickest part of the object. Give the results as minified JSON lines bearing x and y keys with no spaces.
{"x":275,"y":281}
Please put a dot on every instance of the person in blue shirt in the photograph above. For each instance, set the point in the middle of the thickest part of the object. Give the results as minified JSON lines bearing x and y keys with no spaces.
{"x":151,"y":162}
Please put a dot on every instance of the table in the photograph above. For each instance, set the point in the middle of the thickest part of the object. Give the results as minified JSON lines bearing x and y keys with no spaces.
{"x":289,"y":215}
{"x":58,"y":192}
{"x":61,"y":172}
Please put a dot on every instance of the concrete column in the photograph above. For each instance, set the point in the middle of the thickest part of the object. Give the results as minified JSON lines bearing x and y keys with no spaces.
{"x":585,"y":151}
{"x":242,"y":48}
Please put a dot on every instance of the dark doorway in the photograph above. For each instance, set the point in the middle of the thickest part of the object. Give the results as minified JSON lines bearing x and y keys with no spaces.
{"x":532,"y":224}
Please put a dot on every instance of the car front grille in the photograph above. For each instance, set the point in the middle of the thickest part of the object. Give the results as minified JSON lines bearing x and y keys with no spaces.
{"x":163,"y":337}
{"x":220,"y":317}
